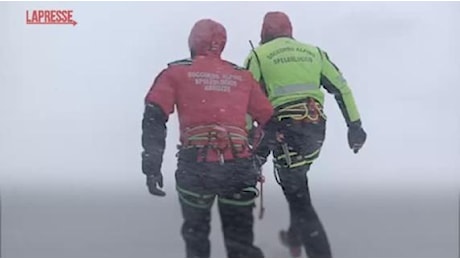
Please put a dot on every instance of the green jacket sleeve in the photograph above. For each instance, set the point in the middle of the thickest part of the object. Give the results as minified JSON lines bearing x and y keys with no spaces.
{"x":252,"y":65}
{"x":334,"y":82}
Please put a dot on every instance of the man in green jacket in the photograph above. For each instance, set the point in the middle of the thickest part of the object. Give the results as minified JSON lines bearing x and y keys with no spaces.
{"x":292,"y":74}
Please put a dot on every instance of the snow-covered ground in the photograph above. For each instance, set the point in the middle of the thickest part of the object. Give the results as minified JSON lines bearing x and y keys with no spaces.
{"x":71,"y":101}
{"x":104,"y":221}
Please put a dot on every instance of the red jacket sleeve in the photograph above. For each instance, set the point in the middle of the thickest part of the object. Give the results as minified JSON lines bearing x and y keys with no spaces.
{"x":162,"y":92}
{"x":260,"y":108}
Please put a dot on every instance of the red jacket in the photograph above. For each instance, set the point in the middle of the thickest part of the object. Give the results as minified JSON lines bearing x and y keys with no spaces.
{"x":207,"y":90}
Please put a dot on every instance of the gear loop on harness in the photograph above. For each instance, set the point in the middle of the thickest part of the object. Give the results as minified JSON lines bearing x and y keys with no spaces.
{"x":306,"y":111}
{"x":217,"y":138}
{"x":309,"y":111}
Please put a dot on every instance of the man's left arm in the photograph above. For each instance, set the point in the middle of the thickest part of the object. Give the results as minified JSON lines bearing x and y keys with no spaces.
{"x":334,"y":82}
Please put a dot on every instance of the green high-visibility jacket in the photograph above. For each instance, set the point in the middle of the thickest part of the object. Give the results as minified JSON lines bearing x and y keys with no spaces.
{"x":290,"y":70}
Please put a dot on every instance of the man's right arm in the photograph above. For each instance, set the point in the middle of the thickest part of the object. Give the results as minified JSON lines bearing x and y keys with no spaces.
{"x":159,"y":103}
{"x":252,"y":65}
{"x":259,"y":107}
{"x":261,"y":110}
{"x":153,"y":139}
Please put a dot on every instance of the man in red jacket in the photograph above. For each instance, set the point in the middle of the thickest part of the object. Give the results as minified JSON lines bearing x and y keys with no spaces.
{"x":212,"y":97}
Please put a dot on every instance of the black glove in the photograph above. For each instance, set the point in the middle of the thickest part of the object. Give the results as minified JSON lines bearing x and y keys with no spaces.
{"x":152,"y":182}
{"x":266,"y":144}
{"x":356,"y":136}
{"x":259,"y":161}
{"x":151,"y":167}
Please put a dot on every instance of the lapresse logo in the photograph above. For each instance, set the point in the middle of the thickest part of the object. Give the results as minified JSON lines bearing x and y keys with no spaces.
{"x":59,"y":17}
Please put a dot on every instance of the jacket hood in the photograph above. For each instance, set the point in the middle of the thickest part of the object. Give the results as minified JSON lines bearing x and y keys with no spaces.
{"x":207,"y":38}
{"x":275,"y":25}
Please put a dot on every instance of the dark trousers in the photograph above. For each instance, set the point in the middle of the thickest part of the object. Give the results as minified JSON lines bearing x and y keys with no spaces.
{"x":234,"y":186}
{"x":305,"y":227}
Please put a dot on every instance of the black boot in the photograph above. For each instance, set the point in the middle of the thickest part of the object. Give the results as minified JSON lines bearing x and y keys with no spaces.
{"x":294,"y":245}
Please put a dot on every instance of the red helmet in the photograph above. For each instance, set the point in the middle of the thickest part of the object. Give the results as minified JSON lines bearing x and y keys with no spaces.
{"x":275,"y":25}
{"x":207,"y":37}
